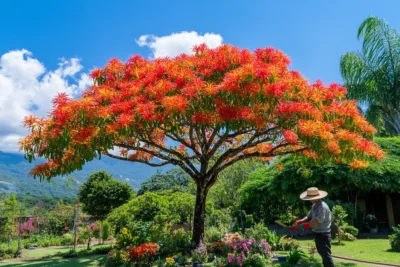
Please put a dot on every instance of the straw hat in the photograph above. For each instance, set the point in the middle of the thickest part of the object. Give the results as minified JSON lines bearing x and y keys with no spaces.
{"x":313,"y":193}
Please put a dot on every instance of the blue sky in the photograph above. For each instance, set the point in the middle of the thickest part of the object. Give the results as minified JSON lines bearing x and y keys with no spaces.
{"x":313,"y":33}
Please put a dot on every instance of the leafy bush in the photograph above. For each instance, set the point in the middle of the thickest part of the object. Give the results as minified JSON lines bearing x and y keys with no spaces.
{"x":290,"y":244}
{"x":295,"y":255}
{"x":105,"y":230}
{"x":350,"y":229}
{"x":117,"y":258}
{"x":258,"y":232}
{"x":67,"y":239}
{"x":213,"y":234}
{"x":220,"y":249}
{"x":72,"y":253}
{"x":85,"y":252}
{"x":338,"y":216}
{"x":7,"y":253}
{"x":44,"y":241}
{"x":140,"y":232}
{"x":198,"y":258}
{"x":394,"y":238}
{"x":276,"y":241}
{"x":124,"y":238}
{"x":342,"y":235}
{"x":176,"y":242}
{"x":255,"y":261}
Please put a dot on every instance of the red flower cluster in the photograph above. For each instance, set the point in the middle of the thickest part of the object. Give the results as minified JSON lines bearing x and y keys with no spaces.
{"x":144,"y":252}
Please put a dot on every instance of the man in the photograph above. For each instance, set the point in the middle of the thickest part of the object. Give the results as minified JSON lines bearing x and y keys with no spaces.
{"x":320,"y":220}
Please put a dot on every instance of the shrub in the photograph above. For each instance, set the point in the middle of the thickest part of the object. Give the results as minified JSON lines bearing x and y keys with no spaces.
{"x":220,"y":249}
{"x":235,"y":260}
{"x":350,"y":229}
{"x":105,"y":231}
{"x":213,"y":234}
{"x":71,"y":254}
{"x":176,"y":242}
{"x":342,"y":235}
{"x":394,"y":238}
{"x":141,"y":232}
{"x":67,"y":239}
{"x":258,"y":232}
{"x":124,"y":238}
{"x":255,"y":261}
{"x":295,"y":255}
{"x":276,"y":241}
{"x":338,"y":216}
{"x":117,"y":258}
{"x":290,"y":244}
{"x":7,"y":253}
{"x":198,"y":258}
{"x":144,"y":254}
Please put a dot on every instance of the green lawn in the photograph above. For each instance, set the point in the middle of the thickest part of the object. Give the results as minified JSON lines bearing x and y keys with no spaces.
{"x":76,"y":262}
{"x":43,"y":252}
{"x":374,"y":250}
{"x":48,"y":257}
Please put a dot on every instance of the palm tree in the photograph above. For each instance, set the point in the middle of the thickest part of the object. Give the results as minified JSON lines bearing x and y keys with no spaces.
{"x":372,"y":74}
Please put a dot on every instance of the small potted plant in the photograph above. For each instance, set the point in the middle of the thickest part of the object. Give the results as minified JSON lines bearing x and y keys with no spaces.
{"x":176,"y":257}
{"x":211,"y":257}
{"x":182,"y":261}
{"x":371,"y":223}
{"x":198,"y":259}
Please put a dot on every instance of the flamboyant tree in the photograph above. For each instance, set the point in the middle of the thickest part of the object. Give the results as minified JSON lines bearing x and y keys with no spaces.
{"x":201,"y":112}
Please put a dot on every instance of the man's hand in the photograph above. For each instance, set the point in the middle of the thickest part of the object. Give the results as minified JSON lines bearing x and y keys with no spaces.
{"x":314,"y":223}
{"x":296,"y":223}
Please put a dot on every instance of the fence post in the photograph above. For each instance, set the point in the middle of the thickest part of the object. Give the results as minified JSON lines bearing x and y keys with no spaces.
{"x":18,"y":253}
{"x":76,"y":216}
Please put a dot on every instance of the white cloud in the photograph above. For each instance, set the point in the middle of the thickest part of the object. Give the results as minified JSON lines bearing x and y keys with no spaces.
{"x":177,"y":43}
{"x":26,"y":87}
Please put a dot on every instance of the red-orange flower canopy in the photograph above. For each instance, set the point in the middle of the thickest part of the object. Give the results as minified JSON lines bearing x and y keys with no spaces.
{"x":215,"y":107}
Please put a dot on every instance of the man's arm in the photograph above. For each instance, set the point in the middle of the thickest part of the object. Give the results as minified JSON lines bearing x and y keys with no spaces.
{"x":305,"y":219}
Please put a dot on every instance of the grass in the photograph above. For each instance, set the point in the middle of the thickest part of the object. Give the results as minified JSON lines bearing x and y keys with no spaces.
{"x":374,"y":250}
{"x":318,"y":262}
{"x":95,"y":260}
{"x":48,"y":257}
{"x":48,"y":252}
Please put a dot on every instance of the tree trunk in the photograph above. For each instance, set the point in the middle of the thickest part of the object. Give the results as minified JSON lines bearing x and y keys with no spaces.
{"x":88,"y":243}
{"x":392,"y":118}
{"x":198,"y":220}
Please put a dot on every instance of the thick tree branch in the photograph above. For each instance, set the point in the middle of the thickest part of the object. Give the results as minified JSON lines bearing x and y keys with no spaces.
{"x":179,"y":139}
{"x":214,"y":176}
{"x":234,"y":151}
{"x":185,"y":159}
{"x":170,"y":159}
{"x":138,"y":160}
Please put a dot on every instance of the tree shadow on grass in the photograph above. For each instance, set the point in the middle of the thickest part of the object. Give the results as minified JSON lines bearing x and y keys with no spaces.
{"x":97,"y":260}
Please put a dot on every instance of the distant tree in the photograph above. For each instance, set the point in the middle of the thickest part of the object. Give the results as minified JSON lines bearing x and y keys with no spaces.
{"x":100,"y":194}
{"x":105,"y":231}
{"x":372,"y":74}
{"x":175,"y":179}
{"x":9,"y":209}
{"x":225,"y":193}
{"x":262,"y":194}
{"x":155,"y":207}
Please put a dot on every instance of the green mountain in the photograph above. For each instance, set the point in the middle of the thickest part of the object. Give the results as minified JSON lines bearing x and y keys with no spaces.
{"x":14,"y":176}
